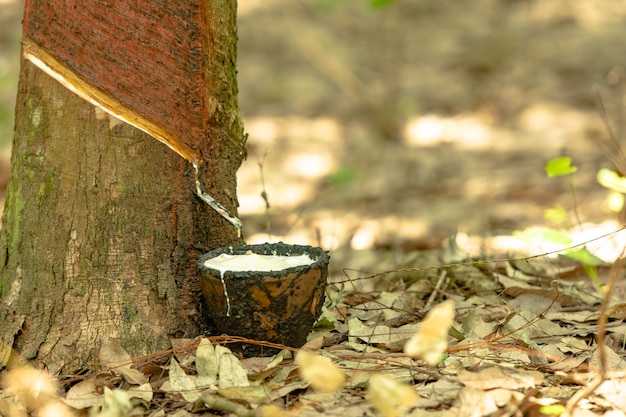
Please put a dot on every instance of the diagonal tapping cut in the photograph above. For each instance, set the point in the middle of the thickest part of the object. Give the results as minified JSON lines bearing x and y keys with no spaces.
{"x":75,"y":83}
{"x":72,"y":81}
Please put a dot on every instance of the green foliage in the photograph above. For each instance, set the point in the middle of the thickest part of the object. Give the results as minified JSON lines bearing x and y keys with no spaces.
{"x":342,"y":176}
{"x":331,"y":5}
{"x":558,"y":215}
{"x":552,"y":409}
{"x":561,"y":239}
{"x":560,"y":166}
{"x":583,"y":256}
{"x":327,"y":5}
{"x":380,"y":3}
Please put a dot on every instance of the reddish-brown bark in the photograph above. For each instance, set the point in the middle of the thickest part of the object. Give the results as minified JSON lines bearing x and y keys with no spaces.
{"x":147,"y":56}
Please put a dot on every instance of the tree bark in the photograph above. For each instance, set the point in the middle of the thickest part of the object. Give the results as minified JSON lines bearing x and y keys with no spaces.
{"x":101,"y":228}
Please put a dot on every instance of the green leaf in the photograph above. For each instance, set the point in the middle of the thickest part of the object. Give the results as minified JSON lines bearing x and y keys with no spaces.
{"x":552,"y":409}
{"x":327,"y":320}
{"x":592,"y":272}
{"x":612,"y":180}
{"x":560,"y":166}
{"x":342,"y":176}
{"x":556,"y":215}
{"x":589,"y":263}
{"x":583,"y":256}
{"x":380,"y":3}
{"x":327,"y":5}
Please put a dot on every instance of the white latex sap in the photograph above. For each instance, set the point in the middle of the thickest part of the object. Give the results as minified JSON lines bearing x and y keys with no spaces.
{"x":256,"y":262}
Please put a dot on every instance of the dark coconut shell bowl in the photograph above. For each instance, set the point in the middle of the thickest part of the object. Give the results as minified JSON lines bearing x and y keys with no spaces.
{"x":277,"y":306}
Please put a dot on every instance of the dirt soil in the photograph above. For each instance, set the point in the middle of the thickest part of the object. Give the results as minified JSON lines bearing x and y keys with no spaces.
{"x":397,"y":126}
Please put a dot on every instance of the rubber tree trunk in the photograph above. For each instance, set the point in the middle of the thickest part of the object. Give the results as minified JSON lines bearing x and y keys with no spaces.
{"x":101,"y":228}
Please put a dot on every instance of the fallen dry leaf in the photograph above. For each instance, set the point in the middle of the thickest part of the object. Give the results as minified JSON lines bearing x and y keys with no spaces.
{"x":501,"y":377}
{"x":319,"y":371}
{"x":257,"y":394}
{"x":142,"y":392}
{"x":390,"y":397}
{"x":431,"y":339}
{"x":206,"y":364}
{"x":475,"y":402}
{"x":112,"y":355}
{"x":381,"y":335}
{"x":54,"y":409}
{"x":32,"y":386}
{"x":182,"y":383}
{"x":29,"y":389}
{"x":231,"y":371}
{"x":132,"y":376}
{"x":83,"y":395}
{"x":271,"y":410}
{"x":116,"y":403}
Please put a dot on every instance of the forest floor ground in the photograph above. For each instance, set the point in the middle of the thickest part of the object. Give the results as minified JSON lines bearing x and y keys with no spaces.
{"x":413,"y":135}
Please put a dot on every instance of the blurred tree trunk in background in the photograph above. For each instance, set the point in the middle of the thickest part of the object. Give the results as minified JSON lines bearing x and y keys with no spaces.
{"x":101,"y":229}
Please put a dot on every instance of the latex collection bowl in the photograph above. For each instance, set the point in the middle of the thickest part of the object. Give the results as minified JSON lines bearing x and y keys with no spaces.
{"x":278,"y":306}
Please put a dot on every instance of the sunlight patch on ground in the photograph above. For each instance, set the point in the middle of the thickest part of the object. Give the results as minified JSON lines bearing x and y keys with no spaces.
{"x":600,"y":239}
{"x":467,"y":131}
{"x":374,"y":231}
{"x":269,"y":130}
{"x":311,"y":166}
{"x":542,"y":125}
{"x":607,"y":248}
{"x":290,"y":155}
{"x":245,"y":7}
{"x":286,"y":195}
{"x":291,"y":159}
{"x":588,"y":13}
{"x":555,"y":124}
{"x":332,"y":229}
{"x":292,"y":238}
{"x":365,"y":236}
{"x":263,"y":130}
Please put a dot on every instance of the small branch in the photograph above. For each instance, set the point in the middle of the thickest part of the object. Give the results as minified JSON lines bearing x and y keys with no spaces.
{"x":215,"y":402}
{"x":433,"y":294}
